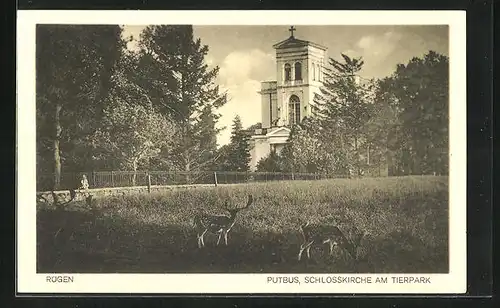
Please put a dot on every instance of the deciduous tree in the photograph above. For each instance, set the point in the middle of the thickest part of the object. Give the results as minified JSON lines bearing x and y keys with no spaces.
{"x":414,"y":105}
{"x":132,"y":133}
{"x":74,"y":65}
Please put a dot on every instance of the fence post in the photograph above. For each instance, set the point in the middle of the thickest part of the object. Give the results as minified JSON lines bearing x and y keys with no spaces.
{"x":112,"y":179}
{"x":215,"y":178}
{"x":149,"y":183}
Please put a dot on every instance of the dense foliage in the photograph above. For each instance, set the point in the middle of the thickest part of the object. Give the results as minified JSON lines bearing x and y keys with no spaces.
{"x":101,"y":106}
{"x":74,"y":68}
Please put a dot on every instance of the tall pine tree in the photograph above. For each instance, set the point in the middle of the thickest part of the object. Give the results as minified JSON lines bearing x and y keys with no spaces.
{"x":239,"y":147}
{"x":183,"y":87}
{"x":345,"y":106}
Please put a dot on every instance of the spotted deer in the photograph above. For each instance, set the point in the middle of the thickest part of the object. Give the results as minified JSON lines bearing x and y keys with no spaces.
{"x":314,"y":234}
{"x":217,"y":224}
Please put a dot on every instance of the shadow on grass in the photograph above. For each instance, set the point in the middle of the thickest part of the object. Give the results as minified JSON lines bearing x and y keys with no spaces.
{"x":77,"y":241}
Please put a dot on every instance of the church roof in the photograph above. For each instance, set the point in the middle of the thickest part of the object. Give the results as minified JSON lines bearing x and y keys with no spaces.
{"x":279,"y":132}
{"x":295,"y":42}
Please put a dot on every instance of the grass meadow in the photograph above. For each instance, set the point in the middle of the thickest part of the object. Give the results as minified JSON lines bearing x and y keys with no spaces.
{"x":406,"y":218}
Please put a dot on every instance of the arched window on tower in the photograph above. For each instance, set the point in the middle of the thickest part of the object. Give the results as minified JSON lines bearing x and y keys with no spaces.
{"x":294,"y":110}
{"x":318,"y":69}
{"x":298,"y":71}
{"x":288,"y":72}
{"x":314,"y":71}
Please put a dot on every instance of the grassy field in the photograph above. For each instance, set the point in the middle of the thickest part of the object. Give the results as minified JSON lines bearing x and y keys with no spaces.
{"x":406,"y":217}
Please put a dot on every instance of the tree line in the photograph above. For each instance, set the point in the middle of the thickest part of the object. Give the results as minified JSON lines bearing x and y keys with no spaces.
{"x":103,"y":106}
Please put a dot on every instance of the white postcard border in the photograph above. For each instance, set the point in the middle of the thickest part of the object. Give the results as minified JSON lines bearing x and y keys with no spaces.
{"x":28,"y":281}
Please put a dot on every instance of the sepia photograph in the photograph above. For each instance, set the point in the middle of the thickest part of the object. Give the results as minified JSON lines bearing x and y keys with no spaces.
{"x":267,"y":148}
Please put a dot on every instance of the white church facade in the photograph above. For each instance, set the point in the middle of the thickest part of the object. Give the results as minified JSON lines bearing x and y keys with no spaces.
{"x":290,"y":98}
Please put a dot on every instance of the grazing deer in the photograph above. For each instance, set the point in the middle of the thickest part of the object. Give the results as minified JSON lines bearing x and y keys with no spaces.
{"x":358,"y":236}
{"x":326,"y":234}
{"x":217,"y":224}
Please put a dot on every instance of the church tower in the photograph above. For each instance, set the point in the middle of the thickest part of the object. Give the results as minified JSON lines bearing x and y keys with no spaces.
{"x":290,"y":98}
{"x":299,"y":71}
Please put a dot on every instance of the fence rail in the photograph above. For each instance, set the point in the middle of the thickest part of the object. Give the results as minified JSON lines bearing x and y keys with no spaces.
{"x":104,"y":179}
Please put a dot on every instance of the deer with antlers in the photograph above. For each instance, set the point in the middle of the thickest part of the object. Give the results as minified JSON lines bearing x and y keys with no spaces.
{"x":327,"y":234}
{"x":217,"y":224}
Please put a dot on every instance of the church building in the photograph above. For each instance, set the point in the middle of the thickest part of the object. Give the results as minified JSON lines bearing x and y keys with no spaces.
{"x":290,"y":98}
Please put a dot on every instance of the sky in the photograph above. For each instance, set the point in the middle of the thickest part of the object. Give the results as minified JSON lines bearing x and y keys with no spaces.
{"x":246,"y":57}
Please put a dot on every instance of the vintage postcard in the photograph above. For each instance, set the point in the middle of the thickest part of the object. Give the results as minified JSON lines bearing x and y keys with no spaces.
{"x":248,"y":152}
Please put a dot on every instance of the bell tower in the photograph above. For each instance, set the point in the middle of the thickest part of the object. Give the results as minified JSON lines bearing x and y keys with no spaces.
{"x":288,"y":99}
{"x":299,"y":67}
